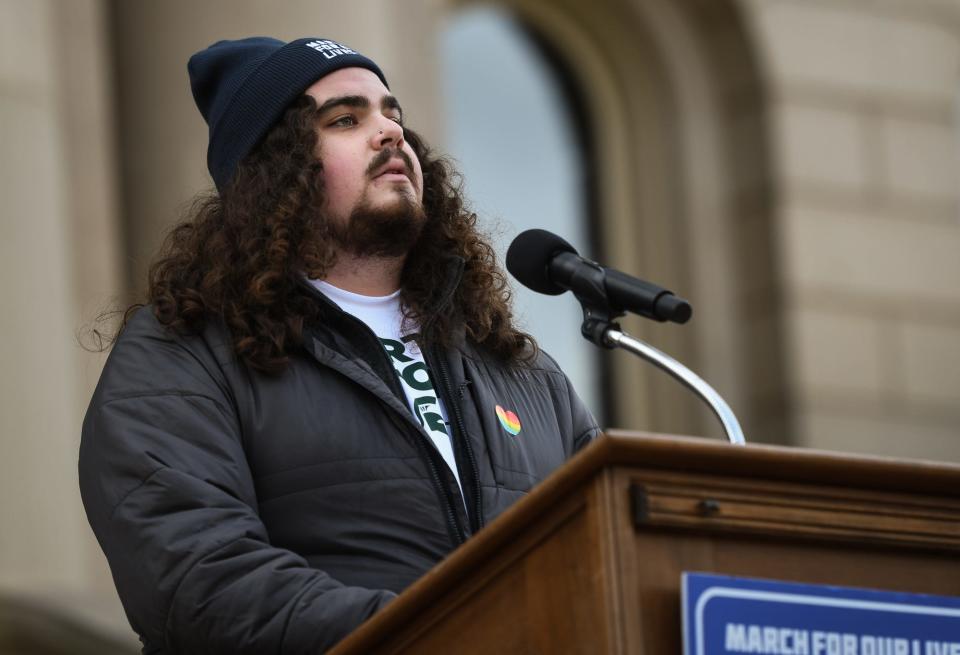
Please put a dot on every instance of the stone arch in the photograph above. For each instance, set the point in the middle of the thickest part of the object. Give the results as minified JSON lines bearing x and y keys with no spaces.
{"x":672,"y":99}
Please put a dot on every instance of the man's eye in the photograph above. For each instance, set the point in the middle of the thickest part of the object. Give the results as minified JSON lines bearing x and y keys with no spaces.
{"x":344,"y":121}
{"x":397,"y":119}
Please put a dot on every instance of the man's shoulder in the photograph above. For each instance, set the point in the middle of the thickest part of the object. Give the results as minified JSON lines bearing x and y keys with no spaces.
{"x":143,"y":328}
{"x":532,"y":356}
{"x":534,"y":362}
{"x":149,"y":357}
{"x":142,"y":323}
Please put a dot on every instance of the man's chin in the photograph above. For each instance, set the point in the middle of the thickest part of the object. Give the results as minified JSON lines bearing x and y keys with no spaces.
{"x":386,"y":229}
{"x":398,"y":203}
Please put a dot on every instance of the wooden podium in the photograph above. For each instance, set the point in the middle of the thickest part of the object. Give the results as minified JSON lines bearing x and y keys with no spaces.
{"x":590,"y":562}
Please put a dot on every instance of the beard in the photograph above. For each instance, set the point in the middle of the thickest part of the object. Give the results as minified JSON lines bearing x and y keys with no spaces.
{"x":387,"y":231}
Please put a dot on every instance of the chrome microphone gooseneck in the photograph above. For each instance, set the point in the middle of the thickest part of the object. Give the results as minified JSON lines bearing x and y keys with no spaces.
{"x":687,"y":377}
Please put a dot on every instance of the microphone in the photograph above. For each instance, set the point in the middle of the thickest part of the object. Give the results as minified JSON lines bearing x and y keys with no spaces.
{"x":545,"y":263}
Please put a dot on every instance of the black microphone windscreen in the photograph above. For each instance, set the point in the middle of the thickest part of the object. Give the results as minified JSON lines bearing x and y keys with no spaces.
{"x":529,"y":257}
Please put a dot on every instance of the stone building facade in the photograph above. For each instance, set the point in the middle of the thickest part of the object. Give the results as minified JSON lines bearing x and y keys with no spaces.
{"x":792,"y":165}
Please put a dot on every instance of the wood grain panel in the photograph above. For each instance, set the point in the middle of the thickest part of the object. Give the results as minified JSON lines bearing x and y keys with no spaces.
{"x":774,"y":508}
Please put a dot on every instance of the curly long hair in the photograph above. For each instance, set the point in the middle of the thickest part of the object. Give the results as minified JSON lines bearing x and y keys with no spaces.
{"x":241,"y":254}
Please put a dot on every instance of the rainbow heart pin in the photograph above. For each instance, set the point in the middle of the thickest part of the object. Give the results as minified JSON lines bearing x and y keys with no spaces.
{"x":509,"y":420}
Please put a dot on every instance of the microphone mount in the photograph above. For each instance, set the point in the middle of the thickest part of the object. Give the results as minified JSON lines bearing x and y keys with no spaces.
{"x":600,"y":328}
{"x":588,"y":284}
{"x":615,"y":292}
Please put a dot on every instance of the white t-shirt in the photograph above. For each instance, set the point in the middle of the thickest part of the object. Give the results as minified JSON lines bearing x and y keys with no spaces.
{"x":383,"y":315}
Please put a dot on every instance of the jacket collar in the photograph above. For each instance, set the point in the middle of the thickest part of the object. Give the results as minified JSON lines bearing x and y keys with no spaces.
{"x":336,"y":343}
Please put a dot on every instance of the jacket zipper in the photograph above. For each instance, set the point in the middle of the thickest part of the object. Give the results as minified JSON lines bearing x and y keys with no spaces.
{"x":476,"y":521}
{"x":457,"y":534}
{"x":456,"y":531}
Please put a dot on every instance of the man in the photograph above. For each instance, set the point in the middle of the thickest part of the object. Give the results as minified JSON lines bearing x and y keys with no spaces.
{"x":326,"y":394}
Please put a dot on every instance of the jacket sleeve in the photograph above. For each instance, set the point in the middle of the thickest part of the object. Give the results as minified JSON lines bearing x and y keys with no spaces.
{"x":170,"y":496}
{"x":585,"y":428}
{"x":574,"y":416}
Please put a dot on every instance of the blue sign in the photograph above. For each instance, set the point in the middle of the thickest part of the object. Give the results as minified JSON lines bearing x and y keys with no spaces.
{"x":725,"y":615}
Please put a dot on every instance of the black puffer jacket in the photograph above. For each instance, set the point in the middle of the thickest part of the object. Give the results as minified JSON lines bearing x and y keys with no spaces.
{"x":242,"y":513}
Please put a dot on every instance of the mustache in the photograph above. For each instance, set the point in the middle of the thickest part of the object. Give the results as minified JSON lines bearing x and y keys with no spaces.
{"x":385,"y":156}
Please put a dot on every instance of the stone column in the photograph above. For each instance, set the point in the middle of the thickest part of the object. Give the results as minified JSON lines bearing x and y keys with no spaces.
{"x":59,"y":270}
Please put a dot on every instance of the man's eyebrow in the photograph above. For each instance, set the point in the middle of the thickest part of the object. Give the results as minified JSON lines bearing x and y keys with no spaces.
{"x":359,"y":102}
{"x":391,"y":102}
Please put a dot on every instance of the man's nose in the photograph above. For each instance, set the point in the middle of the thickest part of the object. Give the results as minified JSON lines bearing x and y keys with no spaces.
{"x":389,"y":133}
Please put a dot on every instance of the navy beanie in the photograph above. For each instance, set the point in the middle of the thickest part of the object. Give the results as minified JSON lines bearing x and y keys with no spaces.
{"x":243,"y":87}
